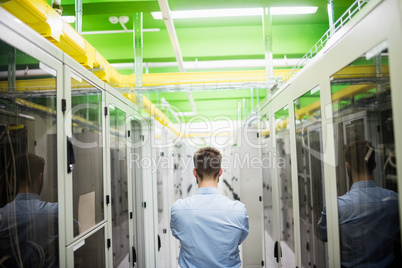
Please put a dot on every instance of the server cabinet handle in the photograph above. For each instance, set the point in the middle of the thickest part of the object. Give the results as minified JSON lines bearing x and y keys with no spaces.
{"x":70,"y":155}
{"x":134,"y":256}
{"x":277,"y":250}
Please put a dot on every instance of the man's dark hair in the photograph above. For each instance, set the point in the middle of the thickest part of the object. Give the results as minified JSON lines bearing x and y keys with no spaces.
{"x":207,"y":162}
{"x":361,"y":157}
{"x":28,"y":167}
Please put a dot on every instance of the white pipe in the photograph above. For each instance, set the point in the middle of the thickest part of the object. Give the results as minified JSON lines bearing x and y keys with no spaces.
{"x":120,"y":31}
{"x":220,"y":64}
{"x":25,"y":73}
{"x":167,"y":17}
{"x":191,"y":99}
{"x":166,"y":105}
{"x":223,"y":64}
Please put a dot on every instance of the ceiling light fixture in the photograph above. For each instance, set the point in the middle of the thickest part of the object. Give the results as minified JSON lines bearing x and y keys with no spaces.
{"x":293,"y":10}
{"x":236,"y":12}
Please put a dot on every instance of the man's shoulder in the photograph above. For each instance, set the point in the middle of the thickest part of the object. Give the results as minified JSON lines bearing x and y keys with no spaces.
{"x":43,"y":207}
{"x":51,"y":207}
{"x":236,"y":203}
{"x":232,"y":205}
{"x":360,"y":195}
{"x":390,"y":193}
{"x":182,"y":203}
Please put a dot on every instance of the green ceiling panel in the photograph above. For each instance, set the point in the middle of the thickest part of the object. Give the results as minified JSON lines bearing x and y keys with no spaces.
{"x":200,"y":43}
{"x":232,"y":41}
{"x":205,"y":40}
{"x":125,"y":71}
{"x":113,"y":48}
{"x":212,"y":103}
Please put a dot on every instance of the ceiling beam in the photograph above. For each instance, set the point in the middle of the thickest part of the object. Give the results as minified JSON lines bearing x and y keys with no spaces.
{"x":167,"y":17}
{"x":267,"y":29}
{"x":138,"y":45}
{"x":78,"y":16}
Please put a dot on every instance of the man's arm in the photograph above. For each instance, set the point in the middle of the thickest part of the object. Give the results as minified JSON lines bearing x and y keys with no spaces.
{"x":173,"y":223}
{"x":322,"y":226}
{"x":245,"y":229}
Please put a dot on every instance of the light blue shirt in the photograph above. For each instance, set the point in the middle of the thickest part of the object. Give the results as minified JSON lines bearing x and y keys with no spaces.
{"x":368,"y":225}
{"x":210,"y":228}
{"x":29,"y":220}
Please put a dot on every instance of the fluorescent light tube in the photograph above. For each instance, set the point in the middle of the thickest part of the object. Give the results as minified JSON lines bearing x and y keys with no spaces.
{"x":293,"y":10}
{"x":235,"y":12}
{"x":211,"y":13}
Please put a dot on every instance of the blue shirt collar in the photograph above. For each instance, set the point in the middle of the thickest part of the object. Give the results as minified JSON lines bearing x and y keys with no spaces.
{"x":363,"y":184}
{"x":208,"y":190}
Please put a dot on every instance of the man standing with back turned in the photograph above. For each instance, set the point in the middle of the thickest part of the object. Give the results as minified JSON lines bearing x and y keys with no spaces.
{"x":368,"y":214}
{"x":209,"y":226}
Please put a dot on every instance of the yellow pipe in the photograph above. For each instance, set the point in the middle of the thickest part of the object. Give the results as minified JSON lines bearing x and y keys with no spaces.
{"x":157,"y":79}
{"x":150,"y":108}
{"x":31,"y":85}
{"x":360,"y":71}
{"x":265,"y":132}
{"x":162,"y":79}
{"x":351,"y":91}
{"x":35,"y":106}
{"x":17,"y":127}
{"x":53,"y":112}
{"x":282,"y":124}
{"x":345,"y":93}
{"x":307,"y":110}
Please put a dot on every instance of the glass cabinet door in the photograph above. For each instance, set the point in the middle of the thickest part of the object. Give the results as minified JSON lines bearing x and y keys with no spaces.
{"x":367,"y":176}
{"x":89,"y":248}
{"x":135,"y":152}
{"x":90,"y":252}
{"x":310,"y":175}
{"x":29,"y":220}
{"x":88,"y":193}
{"x":119,"y":186}
{"x":284,"y":177}
{"x":267,"y":165}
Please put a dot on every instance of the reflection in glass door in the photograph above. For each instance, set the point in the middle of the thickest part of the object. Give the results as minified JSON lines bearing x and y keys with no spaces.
{"x":284,"y":176}
{"x":119,"y":187}
{"x":310,"y":175}
{"x":91,"y":251}
{"x":86,"y":107}
{"x":366,"y":171}
{"x":29,"y":233}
